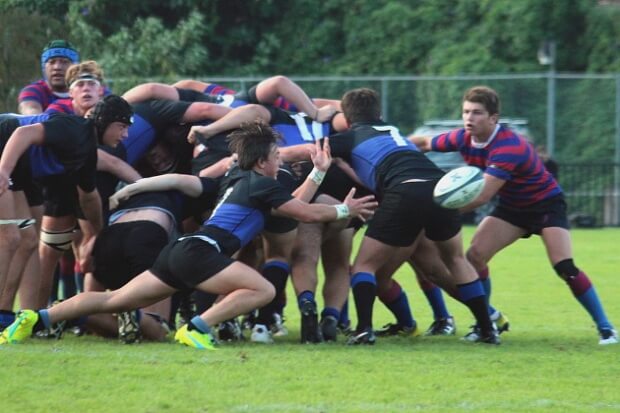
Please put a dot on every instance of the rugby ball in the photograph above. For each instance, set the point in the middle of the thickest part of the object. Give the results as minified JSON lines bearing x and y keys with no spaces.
{"x":459,"y":187}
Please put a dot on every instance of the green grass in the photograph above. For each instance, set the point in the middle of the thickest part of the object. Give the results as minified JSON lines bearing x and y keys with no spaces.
{"x":550,"y":361}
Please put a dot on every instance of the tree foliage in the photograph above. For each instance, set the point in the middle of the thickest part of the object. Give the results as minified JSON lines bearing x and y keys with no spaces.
{"x":135,"y":41}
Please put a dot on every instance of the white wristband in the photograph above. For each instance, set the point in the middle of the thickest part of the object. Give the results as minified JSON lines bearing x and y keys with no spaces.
{"x":316,"y":176}
{"x":342,"y":211}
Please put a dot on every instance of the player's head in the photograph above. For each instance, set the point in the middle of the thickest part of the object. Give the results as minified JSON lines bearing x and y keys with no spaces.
{"x":253,"y":142}
{"x":84,"y":81}
{"x":485,"y":96}
{"x":480,"y":112}
{"x":85,"y":70}
{"x":56,"y":57}
{"x":361,"y":105}
{"x":112,"y":116}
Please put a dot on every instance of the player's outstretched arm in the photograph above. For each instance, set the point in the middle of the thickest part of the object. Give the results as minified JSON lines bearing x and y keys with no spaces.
{"x":362,"y":208}
{"x":188,"y":184}
{"x":422,"y":142}
{"x":116,"y":166}
{"x":21,"y":139}
{"x":232,"y":120}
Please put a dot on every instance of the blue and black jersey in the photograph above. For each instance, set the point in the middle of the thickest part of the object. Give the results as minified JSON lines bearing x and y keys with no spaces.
{"x":381,"y":157}
{"x":69,"y":148}
{"x":297,"y":128}
{"x":241,"y":213}
{"x":149,"y":120}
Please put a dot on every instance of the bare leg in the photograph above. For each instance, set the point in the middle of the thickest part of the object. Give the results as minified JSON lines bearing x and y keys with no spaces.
{"x":269,"y":90}
{"x":306,"y":257}
{"x":199,"y":111}
{"x":492,"y":235}
{"x":152,"y":90}
{"x":142,"y":291}
{"x":106,"y":325}
{"x":232,"y":120}
{"x":336,"y":253}
{"x":196,"y":85}
{"x":27,"y":246}
{"x":244,"y":289}
{"x":49,"y":256}
{"x":31,"y":278}
{"x":9,"y":237}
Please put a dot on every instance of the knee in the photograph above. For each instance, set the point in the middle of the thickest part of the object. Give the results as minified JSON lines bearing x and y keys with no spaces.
{"x":305,"y":258}
{"x":279,"y":80}
{"x":566,"y":269}
{"x":266,"y":291}
{"x":10,"y":239}
{"x":29,"y":240}
{"x":476,"y":256}
{"x":57,"y":240}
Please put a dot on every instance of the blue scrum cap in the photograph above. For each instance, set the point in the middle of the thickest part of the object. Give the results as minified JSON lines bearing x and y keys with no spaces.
{"x":59,"y":48}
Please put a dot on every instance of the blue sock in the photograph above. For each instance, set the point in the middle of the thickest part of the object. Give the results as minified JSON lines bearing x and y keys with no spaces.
{"x":590,"y":301}
{"x":45,"y":318}
{"x":6,"y":318}
{"x":330,"y":311}
{"x":305,"y":296}
{"x":401,"y":310}
{"x":395,"y":299}
{"x":437,"y":303}
{"x":200,"y":325}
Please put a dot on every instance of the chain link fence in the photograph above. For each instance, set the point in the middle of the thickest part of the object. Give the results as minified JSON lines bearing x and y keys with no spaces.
{"x":576,"y":116}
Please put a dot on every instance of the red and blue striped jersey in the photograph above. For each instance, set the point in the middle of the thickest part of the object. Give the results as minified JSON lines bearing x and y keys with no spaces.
{"x":508,"y":157}
{"x":61,"y":106}
{"x":40,"y":92}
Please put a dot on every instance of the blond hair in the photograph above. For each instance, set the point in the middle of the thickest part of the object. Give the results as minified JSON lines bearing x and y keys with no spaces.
{"x":88,"y":67}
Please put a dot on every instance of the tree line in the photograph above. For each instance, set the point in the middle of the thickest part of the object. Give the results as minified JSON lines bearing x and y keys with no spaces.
{"x":201,"y":38}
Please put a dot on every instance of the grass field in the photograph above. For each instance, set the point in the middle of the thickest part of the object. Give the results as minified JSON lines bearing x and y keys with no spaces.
{"x":549,"y":361}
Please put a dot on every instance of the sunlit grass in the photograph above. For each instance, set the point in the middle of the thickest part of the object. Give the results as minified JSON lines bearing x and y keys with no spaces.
{"x":550,"y":361}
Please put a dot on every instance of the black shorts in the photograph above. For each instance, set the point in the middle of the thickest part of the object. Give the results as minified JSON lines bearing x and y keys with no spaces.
{"x":21,"y":177}
{"x":282,"y":225}
{"x":405,"y":210}
{"x":190,"y":95}
{"x":249,"y":95}
{"x":124,"y":250}
{"x":60,"y":198}
{"x":533,"y":219}
{"x":185,"y":263}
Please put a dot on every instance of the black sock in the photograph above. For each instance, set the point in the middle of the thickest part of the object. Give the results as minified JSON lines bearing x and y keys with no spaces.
{"x":478,"y":307}
{"x":276,"y":272}
{"x":364,"y":294}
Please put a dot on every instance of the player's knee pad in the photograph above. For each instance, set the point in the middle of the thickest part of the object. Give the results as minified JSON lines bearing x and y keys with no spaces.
{"x":566,"y":269}
{"x":58,"y":240}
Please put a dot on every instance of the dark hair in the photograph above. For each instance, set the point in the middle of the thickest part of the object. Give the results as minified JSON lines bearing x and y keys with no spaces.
{"x":361,"y":105}
{"x":111,"y":108}
{"x":484,"y":95}
{"x":252,"y":142}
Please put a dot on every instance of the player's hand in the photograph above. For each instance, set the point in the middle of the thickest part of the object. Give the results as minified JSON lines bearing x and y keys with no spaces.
{"x":326,"y":113}
{"x":362,"y":208}
{"x":119,"y":196}
{"x":195,"y":133}
{"x":321,"y":156}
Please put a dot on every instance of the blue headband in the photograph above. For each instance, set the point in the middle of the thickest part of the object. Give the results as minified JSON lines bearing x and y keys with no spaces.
{"x":70,"y":54}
